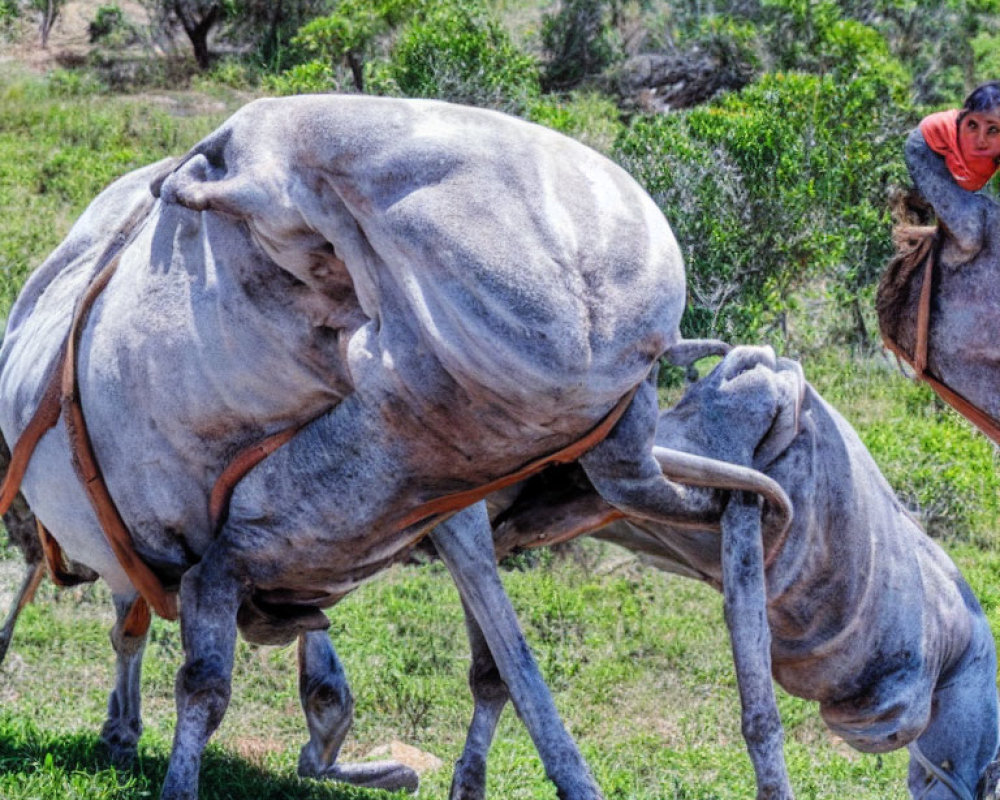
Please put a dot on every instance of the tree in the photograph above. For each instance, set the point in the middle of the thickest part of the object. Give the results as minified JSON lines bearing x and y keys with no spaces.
{"x":349,"y":33}
{"x":268,"y":26}
{"x":196,"y":17}
{"x":49,"y":9}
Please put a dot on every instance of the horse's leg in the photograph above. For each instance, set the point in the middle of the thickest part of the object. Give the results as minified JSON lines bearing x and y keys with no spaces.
{"x":745,"y":599}
{"x":465,"y":543}
{"x":33,"y":575}
{"x":210,"y":597}
{"x":490,"y":696}
{"x":123,"y":726}
{"x":329,"y":708}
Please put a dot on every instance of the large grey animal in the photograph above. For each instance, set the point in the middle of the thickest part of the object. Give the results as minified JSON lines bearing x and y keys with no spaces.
{"x":964,"y":335}
{"x":864,"y":613}
{"x":435,"y":296}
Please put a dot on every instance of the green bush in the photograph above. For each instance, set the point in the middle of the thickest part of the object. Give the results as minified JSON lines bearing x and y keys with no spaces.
{"x":313,"y":76}
{"x":9,"y":14}
{"x":231,"y":72}
{"x":458,"y":52}
{"x":779,"y":184}
{"x":350,"y":36}
{"x":107,"y":21}
{"x":73,"y":83}
{"x":578,"y":41}
{"x":590,"y":117}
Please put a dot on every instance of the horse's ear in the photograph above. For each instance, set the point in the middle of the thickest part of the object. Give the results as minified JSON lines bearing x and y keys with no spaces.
{"x":790,"y":383}
{"x":209,"y":179}
{"x":191,"y":185}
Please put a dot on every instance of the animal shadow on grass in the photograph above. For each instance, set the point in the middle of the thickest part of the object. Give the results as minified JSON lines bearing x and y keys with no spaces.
{"x":69,"y":758}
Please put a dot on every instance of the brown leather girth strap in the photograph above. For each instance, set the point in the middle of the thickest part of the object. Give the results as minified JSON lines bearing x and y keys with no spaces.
{"x":85,"y":462}
{"x":136,"y":622}
{"x":245,"y":460}
{"x":441,"y":507}
{"x":924,"y":316}
{"x":55,"y":560}
{"x":62,"y":396}
{"x":987,"y":424}
{"x":45,"y":417}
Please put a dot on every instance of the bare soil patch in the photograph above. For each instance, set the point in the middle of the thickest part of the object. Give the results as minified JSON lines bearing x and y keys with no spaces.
{"x":69,"y":41}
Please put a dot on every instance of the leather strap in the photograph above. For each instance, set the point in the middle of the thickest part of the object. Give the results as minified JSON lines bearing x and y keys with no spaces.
{"x":244,"y":461}
{"x":54,"y":559}
{"x":924,"y":315}
{"x":85,"y":462}
{"x":987,"y":424}
{"x":45,"y":417}
{"x":434,"y":511}
{"x":62,"y":397}
{"x":441,"y":508}
{"x":136,"y":622}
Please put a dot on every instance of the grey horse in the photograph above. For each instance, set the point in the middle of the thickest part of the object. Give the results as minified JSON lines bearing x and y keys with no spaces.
{"x":430,"y":301}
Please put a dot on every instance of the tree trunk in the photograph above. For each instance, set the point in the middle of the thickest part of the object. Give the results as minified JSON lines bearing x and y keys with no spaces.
{"x":355,"y":62}
{"x":197,"y":31}
{"x":48,"y":21}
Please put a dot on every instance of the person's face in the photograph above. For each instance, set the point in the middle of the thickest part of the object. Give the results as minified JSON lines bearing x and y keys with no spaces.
{"x":979,"y":134}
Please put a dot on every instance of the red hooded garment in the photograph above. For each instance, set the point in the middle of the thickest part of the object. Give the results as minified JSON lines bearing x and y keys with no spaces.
{"x":940,"y":131}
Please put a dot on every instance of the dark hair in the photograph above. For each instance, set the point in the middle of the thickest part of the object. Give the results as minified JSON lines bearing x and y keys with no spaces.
{"x":983,"y":98}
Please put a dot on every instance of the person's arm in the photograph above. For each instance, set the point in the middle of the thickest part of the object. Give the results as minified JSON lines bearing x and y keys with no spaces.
{"x":962,"y":212}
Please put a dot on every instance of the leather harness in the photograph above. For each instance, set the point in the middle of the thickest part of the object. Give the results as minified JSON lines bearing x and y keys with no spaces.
{"x":62,"y":398}
{"x":987,"y":424}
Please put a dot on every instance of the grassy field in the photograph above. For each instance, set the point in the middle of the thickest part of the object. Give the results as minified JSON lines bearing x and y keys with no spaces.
{"x":638,"y":661}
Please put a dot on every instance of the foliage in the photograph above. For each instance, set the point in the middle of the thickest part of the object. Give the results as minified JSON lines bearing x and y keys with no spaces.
{"x":348,"y":35}
{"x":9,"y":14}
{"x":313,"y":76}
{"x":196,"y":18}
{"x":578,"y":43}
{"x":420,"y":48}
{"x":457,"y":51}
{"x":110,"y":28}
{"x":766,"y":188}
{"x":231,"y":72}
{"x":589,"y":117}
{"x":267,"y":27}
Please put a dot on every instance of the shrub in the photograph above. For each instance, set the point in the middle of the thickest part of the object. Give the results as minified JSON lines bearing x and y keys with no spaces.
{"x":781,"y":183}
{"x":9,"y":14}
{"x":313,"y":76}
{"x":578,"y":42}
{"x":589,"y":117}
{"x":348,"y":36}
{"x":457,"y":51}
{"x":108,"y":20}
{"x":231,"y":72}
{"x":73,"y":83}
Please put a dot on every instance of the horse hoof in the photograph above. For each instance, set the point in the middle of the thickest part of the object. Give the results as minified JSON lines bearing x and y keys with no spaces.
{"x":391,"y":776}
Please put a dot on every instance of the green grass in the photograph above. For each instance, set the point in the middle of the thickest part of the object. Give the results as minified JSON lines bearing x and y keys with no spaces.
{"x":60,"y":146}
{"x":637,"y":660}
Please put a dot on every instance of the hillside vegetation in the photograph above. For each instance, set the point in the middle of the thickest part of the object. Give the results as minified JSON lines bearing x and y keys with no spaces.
{"x":770,"y":133}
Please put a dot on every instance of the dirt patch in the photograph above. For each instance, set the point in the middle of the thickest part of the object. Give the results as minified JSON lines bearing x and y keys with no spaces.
{"x":69,"y":40}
